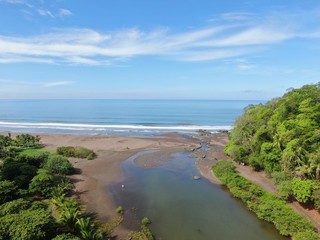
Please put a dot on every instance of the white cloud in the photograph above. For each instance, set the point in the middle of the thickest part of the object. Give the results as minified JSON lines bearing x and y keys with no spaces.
{"x":64,"y":12}
{"x":246,"y":66}
{"x":58,"y":84}
{"x":90,"y":47}
{"x":45,"y":12}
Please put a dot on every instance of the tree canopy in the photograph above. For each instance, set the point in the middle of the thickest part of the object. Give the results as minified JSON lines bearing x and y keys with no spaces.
{"x":282,"y":137}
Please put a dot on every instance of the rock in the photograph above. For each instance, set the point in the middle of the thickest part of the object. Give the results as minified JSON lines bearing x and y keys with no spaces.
{"x":196,"y":177}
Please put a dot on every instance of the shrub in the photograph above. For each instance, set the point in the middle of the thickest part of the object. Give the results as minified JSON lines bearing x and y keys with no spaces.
{"x":302,"y":189}
{"x":78,"y":152}
{"x":33,"y":158}
{"x":19,"y":172}
{"x":223,"y":169}
{"x":58,"y":165}
{"x":8,"y":191}
{"x":66,"y":236}
{"x":307,"y":235}
{"x":27,"y":140}
{"x":14,"y":206}
{"x":119,"y":210}
{"x":42,"y":183}
{"x":145,"y":221}
{"x":267,"y":206}
{"x":67,"y":151}
{"x":27,"y":225}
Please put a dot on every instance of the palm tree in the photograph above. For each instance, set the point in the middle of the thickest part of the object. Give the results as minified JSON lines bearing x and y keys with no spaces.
{"x":88,"y":229}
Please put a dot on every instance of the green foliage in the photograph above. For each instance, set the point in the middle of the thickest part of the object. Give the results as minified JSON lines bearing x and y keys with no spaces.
{"x":144,"y":234}
{"x":42,"y":183}
{"x":282,"y":135}
{"x":34,"y":158}
{"x":19,"y":172}
{"x":223,"y":169}
{"x":57,"y":165}
{"x":66,"y":236}
{"x":120,"y":210}
{"x":77,"y":152}
{"x":21,"y":175}
{"x":307,"y":235}
{"x":285,"y":189}
{"x":88,"y":230}
{"x":302,"y":189}
{"x":14,"y":206}
{"x":27,"y":225}
{"x":267,"y":206}
{"x":145,"y":221}
{"x":8,"y":191}
{"x":27,"y":140}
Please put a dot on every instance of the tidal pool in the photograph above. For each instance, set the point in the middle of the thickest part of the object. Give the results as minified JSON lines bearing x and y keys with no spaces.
{"x":182,"y":208}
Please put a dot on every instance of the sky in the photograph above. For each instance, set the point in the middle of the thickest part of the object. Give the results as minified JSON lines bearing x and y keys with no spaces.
{"x":165,"y":49}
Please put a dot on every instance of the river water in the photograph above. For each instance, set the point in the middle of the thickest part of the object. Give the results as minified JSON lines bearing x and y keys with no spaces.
{"x":182,"y":208}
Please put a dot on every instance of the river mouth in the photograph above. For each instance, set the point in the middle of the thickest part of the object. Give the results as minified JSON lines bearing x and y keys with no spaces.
{"x":181,"y":207}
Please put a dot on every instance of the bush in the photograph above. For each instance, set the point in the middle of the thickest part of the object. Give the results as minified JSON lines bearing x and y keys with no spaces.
{"x":267,"y":206}
{"x":307,"y":235}
{"x":223,"y":169}
{"x":119,"y":210}
{"x":20,"y":173}
{"x":27,"y":225}
{"x":66,"y":236}
{"x":145,"y":221}
{"x":8,"y":191}
{"x":78,"y":152}
{"x":33,"y":158}
{"x":42,"y":183}
{"x":27,"y":140}
{"x":67,"y":151}
{"x":58,"y":165}
{"x":14,"y":206}
{"x":302,"y":189}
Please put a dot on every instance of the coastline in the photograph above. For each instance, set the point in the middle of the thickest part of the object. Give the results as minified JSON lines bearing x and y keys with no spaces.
{"x":94,"y":177}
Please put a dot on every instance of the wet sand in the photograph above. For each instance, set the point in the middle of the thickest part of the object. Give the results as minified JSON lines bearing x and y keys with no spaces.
{"x":95,"y":176}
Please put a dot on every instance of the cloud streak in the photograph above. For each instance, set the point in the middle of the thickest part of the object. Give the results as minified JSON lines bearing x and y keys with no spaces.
{"x":90,"y":47}
{"x":58,"y":84}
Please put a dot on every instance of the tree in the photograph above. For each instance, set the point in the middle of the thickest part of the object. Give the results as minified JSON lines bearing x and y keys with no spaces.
{"x":42,"y":183}
{"x":27,"y":225}
{"x":20,"y":173}
{"x":8,"y":191}
{"x":302,"y":189}
{"x":27,"y":140}
{"x":58,"y":165}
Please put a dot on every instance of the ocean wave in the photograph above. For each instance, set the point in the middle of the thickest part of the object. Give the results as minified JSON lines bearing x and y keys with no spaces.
{"x":102,"y":127}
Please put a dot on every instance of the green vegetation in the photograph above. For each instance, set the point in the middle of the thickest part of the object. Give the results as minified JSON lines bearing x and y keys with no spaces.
{"x":120,"y":210}
{"x":33,"y":200}
{"x":144,"y":233}
{"x":77,"y":152}
{"x":267,"y":206}
{"x":282,"y":137}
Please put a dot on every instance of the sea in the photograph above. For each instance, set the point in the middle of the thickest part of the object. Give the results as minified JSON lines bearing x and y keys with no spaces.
{"x":119,"y":117}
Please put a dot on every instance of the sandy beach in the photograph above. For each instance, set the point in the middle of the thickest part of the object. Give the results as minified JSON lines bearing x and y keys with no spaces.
{"x":95,"y":176}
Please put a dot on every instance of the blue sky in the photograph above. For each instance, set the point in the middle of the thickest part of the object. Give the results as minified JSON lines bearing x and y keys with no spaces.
{"x":166,"y":49}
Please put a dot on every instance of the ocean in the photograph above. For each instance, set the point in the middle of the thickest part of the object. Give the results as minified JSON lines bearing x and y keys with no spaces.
{"x":119,"y":117}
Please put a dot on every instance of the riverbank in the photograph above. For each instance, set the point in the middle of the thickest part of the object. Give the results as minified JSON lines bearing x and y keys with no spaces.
{"x":216,"y":143}
{"x":94,"y":177}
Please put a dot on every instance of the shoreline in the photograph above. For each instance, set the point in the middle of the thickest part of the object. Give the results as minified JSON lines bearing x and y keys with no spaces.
{"x":95,"y":177}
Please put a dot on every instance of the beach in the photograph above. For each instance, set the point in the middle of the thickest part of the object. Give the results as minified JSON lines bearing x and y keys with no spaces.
{"x":99,"y":181}
{"x":95,"y":176}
